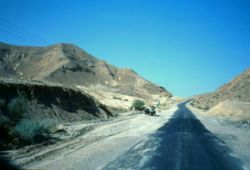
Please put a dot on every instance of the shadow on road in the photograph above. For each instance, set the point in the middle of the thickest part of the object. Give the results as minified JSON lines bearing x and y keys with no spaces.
{"x":183,"y":143}
{"x":7,"y":165}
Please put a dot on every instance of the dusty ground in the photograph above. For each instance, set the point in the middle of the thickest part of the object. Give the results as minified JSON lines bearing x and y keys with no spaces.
{"x":95,"y":144}
{"x":235,"y":134}
{"x":231,"y":109}
{"x":182,"y":143}
{"x":176,"y":138}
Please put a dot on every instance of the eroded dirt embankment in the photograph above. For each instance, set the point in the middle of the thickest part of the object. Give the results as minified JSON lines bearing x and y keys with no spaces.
{"x":32,"y":112}
{"x":53,"y":101}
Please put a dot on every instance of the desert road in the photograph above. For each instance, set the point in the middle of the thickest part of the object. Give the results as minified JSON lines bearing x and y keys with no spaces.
{"x":173,"y":140}
{"x":183,"y":143}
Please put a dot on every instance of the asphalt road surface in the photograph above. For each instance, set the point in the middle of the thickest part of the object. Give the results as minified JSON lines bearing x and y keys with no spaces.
{"x":183,"y":143}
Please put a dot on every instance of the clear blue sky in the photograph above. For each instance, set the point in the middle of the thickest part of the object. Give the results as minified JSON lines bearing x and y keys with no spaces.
{"x":188,"y":46}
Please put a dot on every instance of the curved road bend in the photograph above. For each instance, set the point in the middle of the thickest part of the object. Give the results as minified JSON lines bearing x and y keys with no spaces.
{"x":183,"y":143}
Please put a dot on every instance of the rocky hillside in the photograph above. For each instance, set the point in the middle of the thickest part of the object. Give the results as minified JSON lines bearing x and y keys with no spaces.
{"x":67,"y":64}
{"x":238,"y":89}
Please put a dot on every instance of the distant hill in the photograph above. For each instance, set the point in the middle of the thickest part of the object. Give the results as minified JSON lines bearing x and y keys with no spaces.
{"x":67,"y":64}
{"x":232,"y":99}
{"x":238,"y":89}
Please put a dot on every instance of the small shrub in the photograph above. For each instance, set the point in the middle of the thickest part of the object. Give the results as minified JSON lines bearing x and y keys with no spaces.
{"x":2,"y":102}
{"x":138,"y":105}
{"x":117,"y":98}
{"x":34,"y":131}
{"x":17,"y":107}
{"x":3,"y":120}
{"x":5,"y":138}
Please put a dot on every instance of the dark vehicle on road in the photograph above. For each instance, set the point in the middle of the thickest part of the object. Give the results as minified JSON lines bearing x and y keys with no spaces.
{"x":150,"y":111}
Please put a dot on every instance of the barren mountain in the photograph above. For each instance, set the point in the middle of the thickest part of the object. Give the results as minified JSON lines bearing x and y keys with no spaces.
{"x":232,"y":99}
{"x":68,"y":64}
{"x":42,"y":87}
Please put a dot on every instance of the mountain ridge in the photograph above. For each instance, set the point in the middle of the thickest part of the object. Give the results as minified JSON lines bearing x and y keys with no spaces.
{"x":65,"y":63}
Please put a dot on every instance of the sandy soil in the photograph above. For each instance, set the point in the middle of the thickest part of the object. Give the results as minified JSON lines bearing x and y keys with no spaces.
{"x":231,"y":109}
{"x":95,"y":148}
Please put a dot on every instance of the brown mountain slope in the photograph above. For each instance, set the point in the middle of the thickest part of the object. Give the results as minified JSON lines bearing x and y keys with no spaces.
{"x":68,"y":64}
{"x":231,"y":100}
{"x":238,"y":89}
